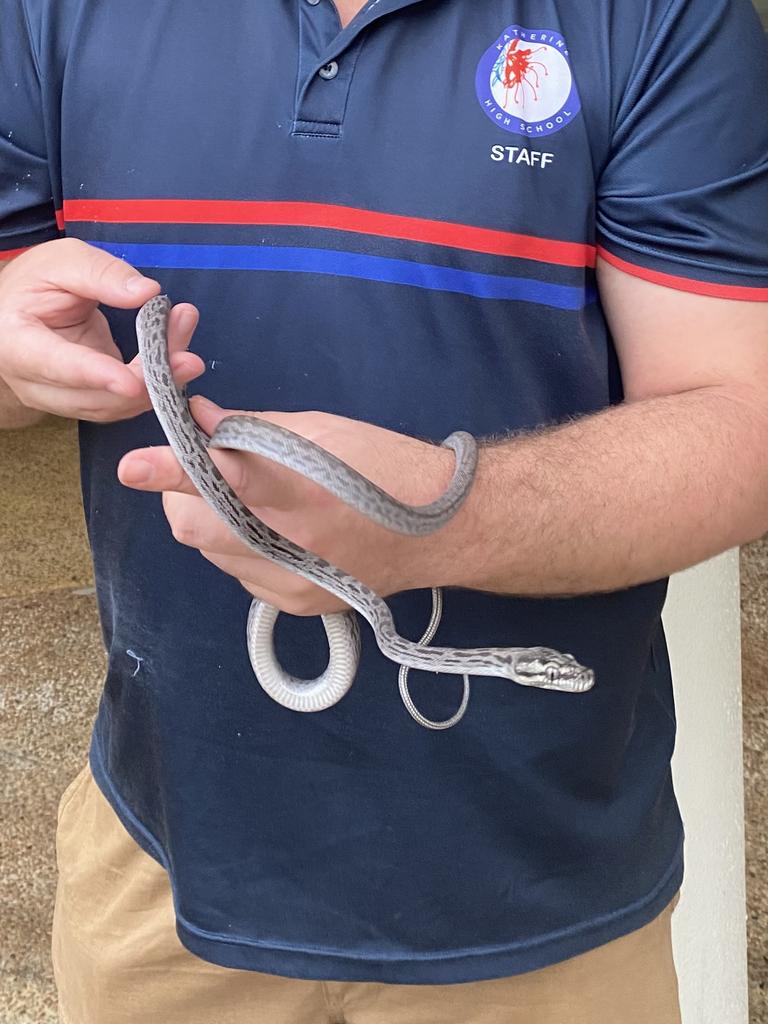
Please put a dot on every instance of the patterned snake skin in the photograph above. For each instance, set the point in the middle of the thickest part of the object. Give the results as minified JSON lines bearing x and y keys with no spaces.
{"x":534,"y":666}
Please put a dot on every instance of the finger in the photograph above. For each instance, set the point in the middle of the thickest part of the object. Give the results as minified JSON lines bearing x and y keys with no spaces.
{"x":158,"y":469}
{"x":262,"y":482}
{"x":76,"y":268}
{"x":276,"y":586}
{"x":92,"y":404}
{"x":49,"y":359}
{"x":195,"y":524}
{"x":185,"y":366}
{"x":182,"y":322}
{"x":253,"y":569}
{"x":278,"y":599}
{"x":154,"y":469}
{"x":93,"y":332}
{"x":78,"y":404}
{"x":207,"y":414}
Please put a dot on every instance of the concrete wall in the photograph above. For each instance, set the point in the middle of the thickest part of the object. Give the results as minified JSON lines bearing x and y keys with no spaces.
{"x":702,"y":621}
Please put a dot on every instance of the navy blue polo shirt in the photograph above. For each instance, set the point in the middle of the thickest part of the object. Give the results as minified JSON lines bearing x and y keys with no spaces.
{"x":399,"y":222}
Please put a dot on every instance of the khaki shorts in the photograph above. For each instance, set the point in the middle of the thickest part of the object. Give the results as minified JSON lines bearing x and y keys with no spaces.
{"x":117,"y":958}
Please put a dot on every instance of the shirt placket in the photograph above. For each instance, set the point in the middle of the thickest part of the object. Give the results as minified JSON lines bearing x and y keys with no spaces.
{"x":328,"y":55}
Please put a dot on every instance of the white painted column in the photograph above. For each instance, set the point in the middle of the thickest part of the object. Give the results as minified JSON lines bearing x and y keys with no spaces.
{"x":702,"y":622}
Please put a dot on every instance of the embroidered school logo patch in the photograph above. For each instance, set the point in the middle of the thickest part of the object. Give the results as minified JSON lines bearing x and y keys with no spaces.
{"x":525,"y":84}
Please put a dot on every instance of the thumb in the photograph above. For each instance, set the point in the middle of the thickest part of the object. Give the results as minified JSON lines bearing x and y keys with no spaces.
{"x":207,"y":413}
{"x":261,"y":478}
{"x":76,"y":268}
{"x":258,"y":480}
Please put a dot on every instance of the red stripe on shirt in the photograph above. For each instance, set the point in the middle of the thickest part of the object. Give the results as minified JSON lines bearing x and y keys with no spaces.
{"x":8,"y":254}
{"x":338,"y":218}
{"x":685,"y":284}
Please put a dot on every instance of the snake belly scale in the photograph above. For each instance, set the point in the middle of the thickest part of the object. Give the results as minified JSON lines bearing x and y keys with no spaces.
{"x":528,"y":666}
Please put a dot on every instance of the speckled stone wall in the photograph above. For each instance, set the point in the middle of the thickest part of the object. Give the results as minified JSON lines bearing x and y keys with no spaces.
{"x":51,"y":665}
{"x":754,"y":605}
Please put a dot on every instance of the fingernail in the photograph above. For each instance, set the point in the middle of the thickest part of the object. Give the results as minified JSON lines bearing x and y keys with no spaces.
{"x":138,"y":471}
{"x":116,"y":388}
{"x":136,"y":283}
{"x":202,"y":403}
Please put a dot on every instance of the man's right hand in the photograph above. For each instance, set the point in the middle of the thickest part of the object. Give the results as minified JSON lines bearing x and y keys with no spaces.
{"x":56,"y":349}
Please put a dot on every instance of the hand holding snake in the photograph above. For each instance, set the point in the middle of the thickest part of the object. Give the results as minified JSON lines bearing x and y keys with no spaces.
{"x":298,"y":508}
{"x":355,"y":540}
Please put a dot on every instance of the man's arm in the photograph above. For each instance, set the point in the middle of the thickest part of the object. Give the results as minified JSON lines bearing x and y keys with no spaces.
{"x":14,"y":415}
{"x":674,"y":475}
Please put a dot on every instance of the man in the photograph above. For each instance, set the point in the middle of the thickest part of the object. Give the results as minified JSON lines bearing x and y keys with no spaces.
{"x":543,"y":224}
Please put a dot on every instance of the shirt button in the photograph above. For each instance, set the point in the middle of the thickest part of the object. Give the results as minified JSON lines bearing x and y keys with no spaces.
{"x":313,"y":3}
{"x":329,"y":71}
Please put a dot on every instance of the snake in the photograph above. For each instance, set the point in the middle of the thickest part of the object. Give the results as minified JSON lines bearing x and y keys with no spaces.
{"x":540,"y":667}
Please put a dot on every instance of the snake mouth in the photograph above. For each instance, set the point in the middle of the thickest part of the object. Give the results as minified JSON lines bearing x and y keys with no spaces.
{"x":583,"y":681}
{"x":575,"y":679}
{"x":568,"y":679}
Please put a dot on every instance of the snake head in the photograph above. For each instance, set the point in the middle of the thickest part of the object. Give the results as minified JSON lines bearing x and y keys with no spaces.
{"x":550,"y":670}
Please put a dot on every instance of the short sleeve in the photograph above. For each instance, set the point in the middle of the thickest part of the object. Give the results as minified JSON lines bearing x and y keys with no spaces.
{"x":683,"y":197}
{"x":27,"y":214}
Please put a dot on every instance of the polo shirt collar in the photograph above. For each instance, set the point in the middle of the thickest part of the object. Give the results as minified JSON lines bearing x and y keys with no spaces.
{"x":373,"y":10}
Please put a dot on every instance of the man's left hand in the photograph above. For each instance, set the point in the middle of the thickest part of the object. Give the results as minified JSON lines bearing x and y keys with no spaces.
{"x":411,"y":470}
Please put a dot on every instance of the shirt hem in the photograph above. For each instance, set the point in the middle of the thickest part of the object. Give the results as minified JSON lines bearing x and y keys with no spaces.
{"x":630,"y":263}
{"x":434,"y":968}
{"x":23,"y":242}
